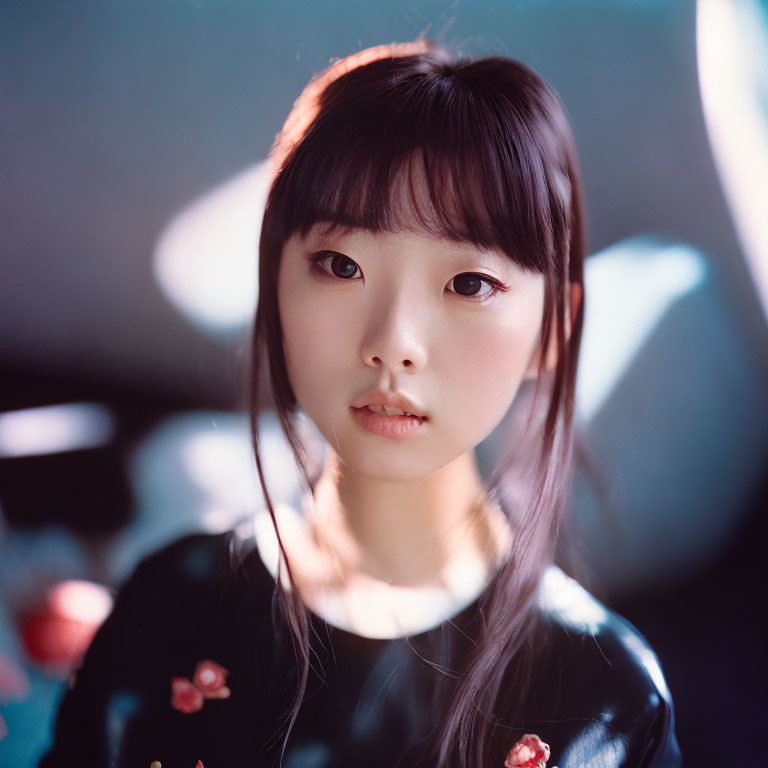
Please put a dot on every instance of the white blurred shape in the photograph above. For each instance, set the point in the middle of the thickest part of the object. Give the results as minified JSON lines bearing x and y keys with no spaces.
{"x":605,"y":747}
{"x":196,"y":472}
{"x":732,"y":50}
{"x":574,"y":606}
{"x":630,"y":286}
{"x":216,"y":519}
{"x":206,"y":257}
{"x":81,"y":600}
{"x":266,"y":540}
{"x":220,"y":463}
{"x":54,"y":429}
{"x":648,"y":659}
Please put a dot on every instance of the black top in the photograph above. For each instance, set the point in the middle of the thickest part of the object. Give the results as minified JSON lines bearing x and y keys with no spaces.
{"x":599,"y":700}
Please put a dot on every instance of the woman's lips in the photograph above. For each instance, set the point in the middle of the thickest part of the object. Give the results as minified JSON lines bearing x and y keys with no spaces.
{"x":393,"y":427}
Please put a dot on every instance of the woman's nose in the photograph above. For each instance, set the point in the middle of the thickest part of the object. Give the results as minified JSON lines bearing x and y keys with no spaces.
{"x":396,"y":335}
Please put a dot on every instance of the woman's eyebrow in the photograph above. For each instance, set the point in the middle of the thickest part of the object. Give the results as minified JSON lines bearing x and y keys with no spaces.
{"x":480,"y":257}
{"x":320,"y":236}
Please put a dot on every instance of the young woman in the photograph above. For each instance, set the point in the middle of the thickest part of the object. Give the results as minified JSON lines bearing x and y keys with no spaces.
{"x":420,"y":269}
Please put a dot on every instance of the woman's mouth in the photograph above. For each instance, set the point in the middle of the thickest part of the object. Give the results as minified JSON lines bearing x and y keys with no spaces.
{"x":383,"y":421}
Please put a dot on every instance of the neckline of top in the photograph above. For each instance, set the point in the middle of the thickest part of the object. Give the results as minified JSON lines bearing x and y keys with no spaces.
{"x":264,"y":548}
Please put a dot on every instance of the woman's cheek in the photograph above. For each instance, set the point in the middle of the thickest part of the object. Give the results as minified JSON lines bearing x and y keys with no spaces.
{"x":314,"y":342}
{"x":494,"y":364}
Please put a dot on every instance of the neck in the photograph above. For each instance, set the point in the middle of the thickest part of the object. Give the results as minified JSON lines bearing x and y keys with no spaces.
{"x":408,"y":532}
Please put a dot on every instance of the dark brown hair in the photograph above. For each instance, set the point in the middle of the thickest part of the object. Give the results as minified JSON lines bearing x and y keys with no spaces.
{"x":492,"y":142}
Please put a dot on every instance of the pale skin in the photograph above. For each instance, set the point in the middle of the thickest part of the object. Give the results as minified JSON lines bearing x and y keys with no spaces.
{"x":402,"y":312}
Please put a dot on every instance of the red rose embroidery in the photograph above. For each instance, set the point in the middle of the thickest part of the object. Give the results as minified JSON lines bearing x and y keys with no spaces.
{"x":529,"y":752}
{"x":184,"y":696}
{"x":210,"y":678}
{"x":208,"y":682}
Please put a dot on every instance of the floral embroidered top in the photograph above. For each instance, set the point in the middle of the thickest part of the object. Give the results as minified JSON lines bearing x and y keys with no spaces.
{"x":194,"y":664}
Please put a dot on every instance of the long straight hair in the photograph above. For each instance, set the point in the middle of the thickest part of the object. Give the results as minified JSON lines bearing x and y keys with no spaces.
{"x":492,"y":142}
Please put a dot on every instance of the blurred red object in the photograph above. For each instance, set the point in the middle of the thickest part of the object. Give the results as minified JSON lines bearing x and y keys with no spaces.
{"x":57,"y":630}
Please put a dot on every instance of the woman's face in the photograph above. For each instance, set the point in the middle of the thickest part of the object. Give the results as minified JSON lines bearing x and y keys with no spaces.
{"x":411,"y":314}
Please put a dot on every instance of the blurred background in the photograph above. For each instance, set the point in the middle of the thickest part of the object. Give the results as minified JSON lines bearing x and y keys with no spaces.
{"x":132,"y":142}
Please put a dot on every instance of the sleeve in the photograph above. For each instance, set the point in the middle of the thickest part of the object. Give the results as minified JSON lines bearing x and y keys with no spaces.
{"x":662,"y":749}
{"x":125,"y":675}
{"x":635,"y":660}
{"x":614,"y":708}
{"x":642,"y":707}
{"x":604,"y":698}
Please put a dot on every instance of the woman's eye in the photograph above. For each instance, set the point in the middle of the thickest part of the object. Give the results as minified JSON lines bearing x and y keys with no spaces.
{"x":335,"y":264}
{"x":470,"y":285}
{"x":467,"y":284}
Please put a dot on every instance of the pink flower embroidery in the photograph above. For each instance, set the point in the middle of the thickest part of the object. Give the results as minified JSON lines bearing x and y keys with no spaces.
{"x":529,"y":752}
{"x":185,"y":696}
{"x":210,"y":678}
{"x":208,"y":682}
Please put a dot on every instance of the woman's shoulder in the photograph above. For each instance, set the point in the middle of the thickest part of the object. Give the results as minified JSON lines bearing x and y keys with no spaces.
{"x":197,"y":556}
{"x":202,"y":562}
{"x":601,"y":683}
{"x":194,"y":559}
{"x":183,"y":605}
{"x":581,"y":626}
{"x":175,"y":597}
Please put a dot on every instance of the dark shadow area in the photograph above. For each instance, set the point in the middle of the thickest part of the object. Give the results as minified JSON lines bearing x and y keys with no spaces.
{"x":708,"y":631}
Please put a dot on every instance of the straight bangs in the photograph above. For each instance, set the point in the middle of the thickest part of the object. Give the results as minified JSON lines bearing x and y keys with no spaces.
{"x":411,"y":144}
